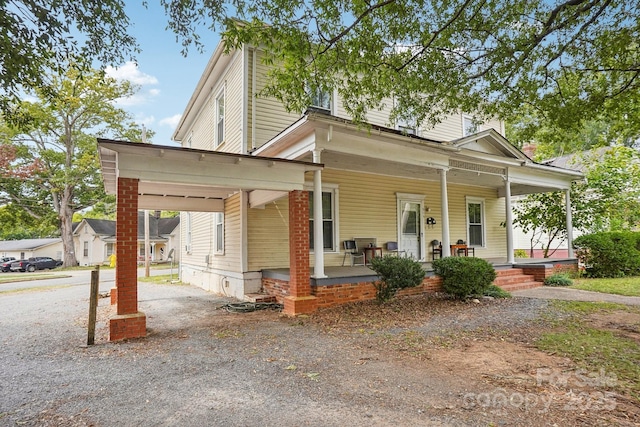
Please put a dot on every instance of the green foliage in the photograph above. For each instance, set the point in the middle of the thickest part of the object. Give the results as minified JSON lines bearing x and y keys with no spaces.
{"x":558,"y":279}
{"x":40,"y":32}
{"x":464,"y":276}
{"x":496,"y":292}
{"x":628,"y":286}
{"x":395,"y":273}
{"x":520,"y":253}
{"x":610,"y":254}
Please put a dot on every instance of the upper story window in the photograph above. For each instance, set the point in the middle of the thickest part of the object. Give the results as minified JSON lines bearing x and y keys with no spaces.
{"x":408,"y":126}
{"x":469,"y":126}
{"x":320,"y":99}
{"x":219,"y":136}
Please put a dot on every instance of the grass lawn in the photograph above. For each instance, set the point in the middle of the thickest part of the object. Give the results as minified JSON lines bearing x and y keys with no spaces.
{"x":629,"y":286}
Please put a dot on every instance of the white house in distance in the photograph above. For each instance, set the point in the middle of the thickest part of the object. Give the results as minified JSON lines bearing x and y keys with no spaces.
{"x":28,"y":248}
{"x":383,"y":184}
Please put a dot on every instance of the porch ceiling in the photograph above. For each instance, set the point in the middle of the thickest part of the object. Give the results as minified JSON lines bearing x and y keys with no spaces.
{"x":173,"y":178}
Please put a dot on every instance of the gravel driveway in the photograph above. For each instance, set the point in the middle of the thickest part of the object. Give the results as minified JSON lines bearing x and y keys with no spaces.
{"x":203,"y":366}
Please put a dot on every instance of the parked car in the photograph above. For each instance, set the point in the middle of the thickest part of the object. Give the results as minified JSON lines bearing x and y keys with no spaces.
{"x":5,"y":263}
{"x":33,"y":264}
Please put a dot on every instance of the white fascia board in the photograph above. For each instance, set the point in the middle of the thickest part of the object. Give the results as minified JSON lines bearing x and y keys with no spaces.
{"x":259,"y":198}
{"x":180,"y":204}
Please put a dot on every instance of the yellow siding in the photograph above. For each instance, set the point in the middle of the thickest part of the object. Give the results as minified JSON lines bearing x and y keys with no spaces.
{"x":368,"y":208}
{"x":230,"y":260}
{"x":233,"y":107}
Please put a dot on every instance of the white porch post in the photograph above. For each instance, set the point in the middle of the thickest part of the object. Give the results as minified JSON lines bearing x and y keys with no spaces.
{"x":318,"y":233}
{"x":567,"y":197}
{"x":444,"y":199}
{"x":509,"y":220}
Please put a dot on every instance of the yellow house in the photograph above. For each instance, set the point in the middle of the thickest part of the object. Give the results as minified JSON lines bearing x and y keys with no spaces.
{"x":272,"y":201}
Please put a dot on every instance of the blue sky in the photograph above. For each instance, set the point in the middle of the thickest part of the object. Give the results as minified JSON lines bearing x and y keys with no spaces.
{"x":166,"y":78}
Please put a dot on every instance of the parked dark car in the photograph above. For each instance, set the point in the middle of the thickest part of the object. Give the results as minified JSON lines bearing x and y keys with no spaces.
{"x":5,"y":263}
{"x":33,"y":264}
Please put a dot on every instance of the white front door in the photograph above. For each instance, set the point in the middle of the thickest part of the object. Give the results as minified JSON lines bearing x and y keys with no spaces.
{"x":410,"y":227}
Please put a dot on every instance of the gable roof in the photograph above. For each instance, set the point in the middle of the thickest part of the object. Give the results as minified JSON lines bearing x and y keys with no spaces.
{"x":489,"y":142}
{"x":167,"y":225}
{"x":158,"y":227}
{"x":27,"y":244}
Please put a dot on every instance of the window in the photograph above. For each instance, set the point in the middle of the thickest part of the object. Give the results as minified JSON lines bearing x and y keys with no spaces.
{"x":109,"y":250}
{"x":475,"y":222}
{"x":407,"y":126}
{"x":321,"y":99}
{"x":328,"y":220}
{"x":219,"y":137}
{"x":187,"y":238}
{"x":85,"y":249}
{"x":469,"y":126}
{"x":218,"y":231}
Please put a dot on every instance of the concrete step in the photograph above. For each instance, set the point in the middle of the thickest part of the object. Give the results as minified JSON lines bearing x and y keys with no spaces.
{"x":520,"y":286}
{"x":259,"y":298}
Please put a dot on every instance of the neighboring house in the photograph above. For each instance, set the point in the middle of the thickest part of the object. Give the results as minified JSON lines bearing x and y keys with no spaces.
{"x":405,"y":184}
{"x":95,"y":239}
{"x":27,"y":248}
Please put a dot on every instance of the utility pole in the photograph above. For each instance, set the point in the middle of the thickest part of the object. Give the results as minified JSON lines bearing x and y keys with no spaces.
{"x":147,"y":251}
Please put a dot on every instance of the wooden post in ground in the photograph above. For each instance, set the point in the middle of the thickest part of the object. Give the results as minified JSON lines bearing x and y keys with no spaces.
{"x":93,"y":305}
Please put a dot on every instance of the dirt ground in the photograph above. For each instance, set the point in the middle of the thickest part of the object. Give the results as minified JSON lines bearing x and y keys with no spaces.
{"x":425,"y":361}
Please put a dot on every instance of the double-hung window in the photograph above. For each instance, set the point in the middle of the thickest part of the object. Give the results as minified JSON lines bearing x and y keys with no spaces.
{"x":475,"y":222}
{"x":85,"y":249}
{"x":469,"y":126}
{"x":328,"y":221}
{"x":218,"y":232}
{"x":320,"y":99}
{"x":408,"y":126}
{"x":219,"y":132}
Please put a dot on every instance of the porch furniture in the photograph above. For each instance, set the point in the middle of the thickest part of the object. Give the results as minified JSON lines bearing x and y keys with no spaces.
{"x":461,"y":248}
{"x":436,"y":249}
{"x":393,"y":247}
{"x":371,"y":252}
{"x":351,"y":250}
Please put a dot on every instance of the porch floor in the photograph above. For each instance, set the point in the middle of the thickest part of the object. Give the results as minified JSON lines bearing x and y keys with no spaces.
{"x":360,"y":273}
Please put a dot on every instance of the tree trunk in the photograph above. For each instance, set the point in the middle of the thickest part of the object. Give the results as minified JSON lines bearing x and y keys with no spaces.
{"x":66,"y":233}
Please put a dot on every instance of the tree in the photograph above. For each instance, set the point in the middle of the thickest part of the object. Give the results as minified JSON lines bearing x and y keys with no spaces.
{"x":37,"y":33}
{"x":50,"y":163}
{"x":568,"y":59}
{"x":607,"y":200}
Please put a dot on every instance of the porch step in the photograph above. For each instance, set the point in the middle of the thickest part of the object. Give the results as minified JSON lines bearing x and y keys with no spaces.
{"x":259,"y":298}
{"x":514,"y":279}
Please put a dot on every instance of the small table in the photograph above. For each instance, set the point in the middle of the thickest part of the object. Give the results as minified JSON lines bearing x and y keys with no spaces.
{"x":371,"y":252}
{"x":456,"y":249}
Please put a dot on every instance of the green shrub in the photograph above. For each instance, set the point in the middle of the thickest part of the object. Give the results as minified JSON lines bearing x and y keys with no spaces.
{"x":609,"y":254}
{"x":558,"y":279}
{"x":464,"y":276}
{"x":520,"y":253}
{"x":395,"y":273}
{"x":496,"y":292}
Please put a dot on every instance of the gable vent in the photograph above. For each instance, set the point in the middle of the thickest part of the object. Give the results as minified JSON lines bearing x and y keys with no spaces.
{"x":474,"y":167}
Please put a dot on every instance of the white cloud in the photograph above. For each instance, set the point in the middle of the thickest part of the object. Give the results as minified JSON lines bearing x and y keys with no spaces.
{"x":130,"y":71}
{"x":146,"y":120}
{"x":172,"y":121}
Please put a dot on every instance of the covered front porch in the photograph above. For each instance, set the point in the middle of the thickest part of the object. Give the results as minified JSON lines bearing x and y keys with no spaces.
{"x":344,"y":284}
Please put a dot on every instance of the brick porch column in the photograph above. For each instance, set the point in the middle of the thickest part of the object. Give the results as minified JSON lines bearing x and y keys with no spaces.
{"x":129,"y":322}
{"x":299,"y":300}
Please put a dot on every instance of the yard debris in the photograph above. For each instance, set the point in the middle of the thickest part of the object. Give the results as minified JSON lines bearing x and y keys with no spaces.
{"x":247,"y":307}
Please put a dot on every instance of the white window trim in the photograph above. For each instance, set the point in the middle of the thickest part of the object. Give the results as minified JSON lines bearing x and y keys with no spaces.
{"x":217,"y":141}
{"x":332,"y":97}
{"x":216,"y":222}
{"x":464,"y":128}
{"x":481,"y":201}
{"x":329,"y":188}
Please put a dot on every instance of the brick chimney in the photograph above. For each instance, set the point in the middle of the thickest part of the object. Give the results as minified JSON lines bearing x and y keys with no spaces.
{"x":529,"y":149}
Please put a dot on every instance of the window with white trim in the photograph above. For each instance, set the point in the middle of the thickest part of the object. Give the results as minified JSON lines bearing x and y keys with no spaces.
{"x":407,"y":126}
{"x":469,"y":126}
{"x":219,"y":137}
{"x":320,"y":99}
{"x":218,"y":232}
{"x":187,"y":237}
{"x":475,"y":222}
{"x":328,"y":221}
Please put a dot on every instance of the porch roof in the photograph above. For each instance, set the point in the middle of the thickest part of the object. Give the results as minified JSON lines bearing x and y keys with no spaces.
{"x":175,"y":178}
{"x":485,"y":159}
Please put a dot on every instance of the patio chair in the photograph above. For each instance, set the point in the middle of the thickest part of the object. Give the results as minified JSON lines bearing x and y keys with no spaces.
{"x":393,"y":247}
{"x":436,"y":249}
{"x":351,"y":250}
{"x":466,"y":249}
